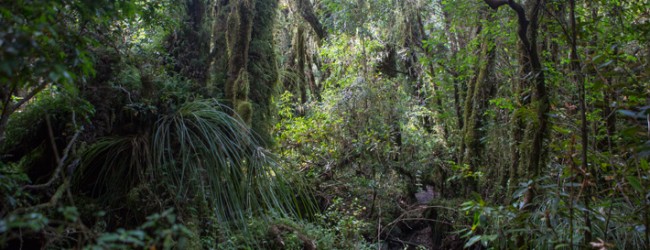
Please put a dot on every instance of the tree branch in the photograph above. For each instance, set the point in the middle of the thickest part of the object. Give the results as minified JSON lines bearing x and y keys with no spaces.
{"x":521,"y":14}
{"x":8,"y":109}
{"x":60,"y":161}
{"x":307,"y":12}
{"x":495,"y":4}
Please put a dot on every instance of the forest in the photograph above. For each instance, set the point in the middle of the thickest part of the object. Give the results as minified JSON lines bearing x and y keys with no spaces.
{"x":325,"y":124}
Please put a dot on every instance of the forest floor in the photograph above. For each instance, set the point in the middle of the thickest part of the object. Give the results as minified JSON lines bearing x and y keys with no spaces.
{"x":415,"y":229}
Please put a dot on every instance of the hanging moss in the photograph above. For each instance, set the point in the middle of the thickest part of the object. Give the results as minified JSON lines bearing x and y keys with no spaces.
{"x":240,"y":103}
{"x":252,"y":73}
{"x":238,"y":38}
{"x":245,"y":111}
{"x":241,"y":87}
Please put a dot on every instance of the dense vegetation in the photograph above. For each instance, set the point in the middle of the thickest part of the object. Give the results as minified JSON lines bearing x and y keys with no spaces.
{"x":324,"y":124}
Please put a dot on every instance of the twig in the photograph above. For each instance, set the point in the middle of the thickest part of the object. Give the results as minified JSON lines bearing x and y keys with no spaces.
{"x":50,"y":133}
{"x":60,"y":161}
{"x":404,"y":242}
{"x":55,"y":199}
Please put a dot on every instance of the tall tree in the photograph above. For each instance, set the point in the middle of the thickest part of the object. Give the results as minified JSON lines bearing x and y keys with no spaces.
{"x":578,"y":78}
{"x":250,"y":62}
{"x":476,"y":100}
{"x":238,"y":39}
{"x":190,"y":45}
{"x":529,"y":151}
{"x":263,"y":68}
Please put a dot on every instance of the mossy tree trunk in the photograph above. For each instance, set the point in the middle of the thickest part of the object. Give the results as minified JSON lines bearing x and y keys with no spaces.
{"x":238,"y":37}
{"x":539,"y":127}
{"x":263,"y":68}
{"x":304,"y":37}
{"x":307,"y":12}
{"x":219,"y":64}
{"x":476,"y":100}
{"x":244,"y":28}
{"x":190,"y":46}
{"x":530,"y":121}
{"x":296,"y":65}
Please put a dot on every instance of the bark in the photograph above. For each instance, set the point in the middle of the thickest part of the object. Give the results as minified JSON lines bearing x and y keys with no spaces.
{"x":238,"y":38}
{"x":307,"y":12}
{"x":540,"y":96}
{"x":219,"y":51}
{"x":576,"y":67}
{"x":263,"y":68}
{"x":191,"y":46}
{"x":300,"y":64}
{"x":315,"y":90}
{"x":476,"y":101}
{"x":528,"y":151}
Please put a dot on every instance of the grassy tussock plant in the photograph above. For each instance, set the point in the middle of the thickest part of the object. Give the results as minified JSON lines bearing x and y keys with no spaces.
{"x":197,"y":151}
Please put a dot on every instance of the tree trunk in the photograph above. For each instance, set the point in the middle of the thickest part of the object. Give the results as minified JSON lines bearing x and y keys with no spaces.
{"x":191,"y":46}
{"x":307,"y":12}
{"x":252,"y":73}
{"x":300,"y":52}
{"x":219,"y":51}
{"x":530,"y":150}
{"x":578,"y":77}
{"x":238,"y":38}
{"x":263,"y":68}
{"x":540,"y":96}
{"x":476,"y":101}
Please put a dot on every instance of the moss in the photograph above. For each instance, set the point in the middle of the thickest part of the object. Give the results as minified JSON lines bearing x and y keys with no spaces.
{"x":190,"y":45}
{"x":238,"y":36}
{"x":233,"y":25}
{"x":245,"y":111}
{"x":251,"y":70}
{"x":475,"y":104}
{"x":242,"y":86}
{"x":219,"y":62}
{"x":263,"y":69}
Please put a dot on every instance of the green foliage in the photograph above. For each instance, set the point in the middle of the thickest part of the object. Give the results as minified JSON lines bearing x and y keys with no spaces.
{"x":66,"y":111}
{"x":44,"y":44}
{"x":344,"y":220}
{"x":33,"y":222}
{"x":552,"y":221}
{"x":284,"y":233}
{"x":11,"y":193}
{"x":464,"y":171}
{"x":122,"y":87}
{"x":161,"y":230}
{"x":213,"y":143}
{"x":195,"y":152}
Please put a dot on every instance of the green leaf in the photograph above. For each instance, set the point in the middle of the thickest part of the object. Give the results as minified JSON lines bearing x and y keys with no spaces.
{"x":634,"y":182}
{"x":561,"y":246}
{"x":605,"y":64}
{"x":472,"y":241}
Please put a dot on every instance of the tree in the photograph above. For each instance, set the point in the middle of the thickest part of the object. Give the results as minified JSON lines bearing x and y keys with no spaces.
{"x":477,"y":95}
{"x":531,"y":148}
